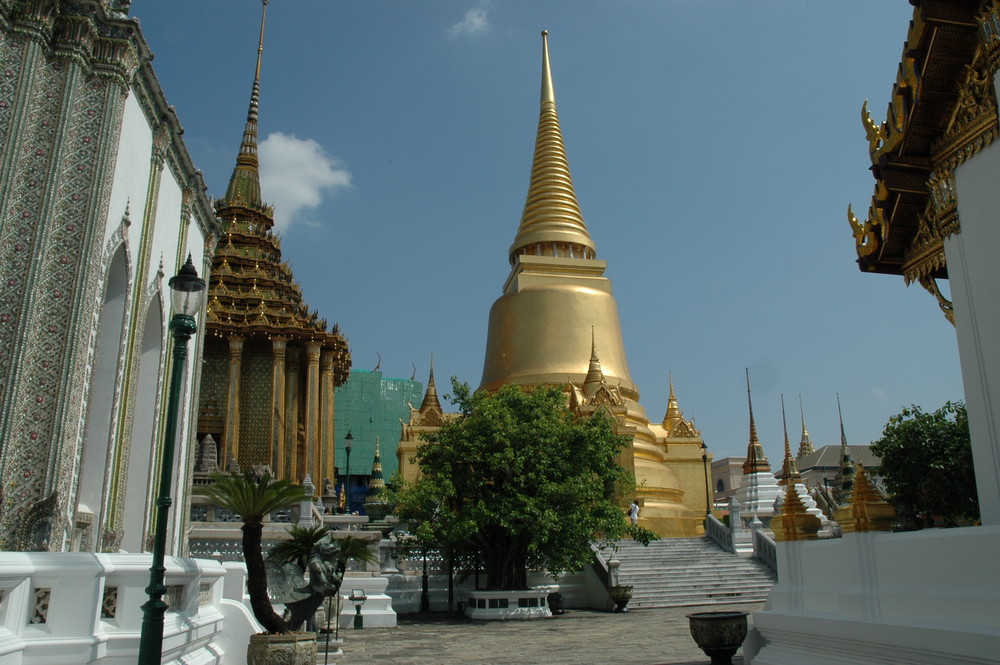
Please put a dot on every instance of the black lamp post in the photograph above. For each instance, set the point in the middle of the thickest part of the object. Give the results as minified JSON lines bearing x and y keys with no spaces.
{"x":187,"y":293}
{"x":708,"y":485}
{"x":348,"y":440}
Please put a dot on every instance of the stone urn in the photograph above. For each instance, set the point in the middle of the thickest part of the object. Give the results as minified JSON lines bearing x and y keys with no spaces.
{"x":719,"y":634}
{"x":289,"y":649}
{"x":621,"y":594}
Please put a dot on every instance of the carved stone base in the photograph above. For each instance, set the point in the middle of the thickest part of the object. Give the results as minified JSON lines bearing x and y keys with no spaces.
{"x":290,"y":649}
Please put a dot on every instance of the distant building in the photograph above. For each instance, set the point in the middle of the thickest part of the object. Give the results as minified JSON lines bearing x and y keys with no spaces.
{"x":727,"y":474}
{"x":822,"y":467}
{"x":371,"y":406}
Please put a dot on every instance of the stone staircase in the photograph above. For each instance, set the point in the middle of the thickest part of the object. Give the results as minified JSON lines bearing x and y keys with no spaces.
{"x":678,"y":572}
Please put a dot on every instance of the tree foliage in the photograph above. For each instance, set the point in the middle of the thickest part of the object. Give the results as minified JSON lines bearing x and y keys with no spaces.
{"x":927,"y":464}
{"x":518,"y":481}
{"x":253,"y":498}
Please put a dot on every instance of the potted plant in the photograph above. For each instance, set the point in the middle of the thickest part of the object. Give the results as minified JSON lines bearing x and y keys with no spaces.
{"x":253,"y":498}
{"x":621,"y":594}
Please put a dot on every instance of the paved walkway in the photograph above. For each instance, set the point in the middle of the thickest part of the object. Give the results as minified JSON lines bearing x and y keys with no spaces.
{"x":578,"y":637}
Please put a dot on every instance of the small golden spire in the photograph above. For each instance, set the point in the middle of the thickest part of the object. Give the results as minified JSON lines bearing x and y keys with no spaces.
{"x":789,"y":470}
{"x":805,"y":443}
{"x":794,"y":522}
{"x":430,"y":395}
{"x":595,"y":374}
{"x":866,"y":510}
{"x":551,"y":221}
{"x":673,"y":414}
{"x":756,"y":461}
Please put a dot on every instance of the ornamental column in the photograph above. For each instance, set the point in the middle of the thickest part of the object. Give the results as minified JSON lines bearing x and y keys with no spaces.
{"x":312,"y":412}
{"x":232,"y":442}
{"x":277,"y":410}
{"x":326,"y":433}
{"x":293,"y":469}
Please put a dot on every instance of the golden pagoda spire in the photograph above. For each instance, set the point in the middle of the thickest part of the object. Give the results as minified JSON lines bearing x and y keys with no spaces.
{"x":805,"y":443}
{"x":430,"y":395}
{"x":551,"y":224}
{"x":673,"y":414}
{"x":595,"y":375}
{"x":756,"y":461}
{"x":789,"y":470}
{"x":244,"y":185}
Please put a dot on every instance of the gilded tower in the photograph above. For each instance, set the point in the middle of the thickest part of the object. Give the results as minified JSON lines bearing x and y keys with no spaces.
{"x":557,"y":315}
{"x":271,"y":365}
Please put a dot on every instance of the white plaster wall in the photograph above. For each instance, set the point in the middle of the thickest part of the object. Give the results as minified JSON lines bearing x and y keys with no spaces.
{"x":974,"y":276}
{"x":131,"y":172}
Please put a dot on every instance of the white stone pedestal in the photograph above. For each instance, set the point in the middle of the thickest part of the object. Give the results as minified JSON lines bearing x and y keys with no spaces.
{"x":492,"y":605}
{"x":377,"y":609}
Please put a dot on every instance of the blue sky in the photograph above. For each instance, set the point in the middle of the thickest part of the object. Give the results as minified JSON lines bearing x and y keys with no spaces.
{"x":715,"y":146}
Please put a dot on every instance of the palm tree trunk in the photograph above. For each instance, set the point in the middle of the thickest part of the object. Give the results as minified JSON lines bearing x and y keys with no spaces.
{"x":260,"y":603}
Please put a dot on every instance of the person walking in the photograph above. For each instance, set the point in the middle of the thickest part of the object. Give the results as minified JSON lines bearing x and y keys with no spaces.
{"x":633,"y":512}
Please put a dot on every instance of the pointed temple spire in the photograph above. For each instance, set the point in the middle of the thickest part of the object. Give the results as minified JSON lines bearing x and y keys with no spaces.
{"x":846,"y":459}
{"x":756,"y":461}
{"x":244,"y":185}
{"x":595,"y":375}
{"x":551,"y":224}
{"x":805,"y":444}
{"x":430,"y":395}
{"x":789,"y":470}
{"x":673,"y":414}
{"x":376,"y":485}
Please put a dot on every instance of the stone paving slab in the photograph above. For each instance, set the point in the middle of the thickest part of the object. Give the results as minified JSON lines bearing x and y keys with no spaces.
{"x":578,"y":637}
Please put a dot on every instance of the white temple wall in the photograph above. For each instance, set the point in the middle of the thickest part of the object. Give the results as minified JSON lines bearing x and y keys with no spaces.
{"x":974,"y":276}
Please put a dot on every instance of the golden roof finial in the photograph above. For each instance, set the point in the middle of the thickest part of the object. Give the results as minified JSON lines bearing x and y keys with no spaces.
{"x":595,"y":374}
{"x":789,"y":470}
{"x":805,"y":444}
{"x":673,"y":414}
{"x":756,"y":461}
{"x":244,"y":185}
{"x":430,"y":395}
{"x":551,"y":212}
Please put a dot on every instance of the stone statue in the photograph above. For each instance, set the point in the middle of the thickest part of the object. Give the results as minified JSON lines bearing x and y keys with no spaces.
{"x":326,"y":574}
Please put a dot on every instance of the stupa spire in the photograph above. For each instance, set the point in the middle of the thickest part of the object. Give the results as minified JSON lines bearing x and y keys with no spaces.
{"x":551,"y":224}
{"x":846,"y":459}
{"x":805,"y":443}
{"x":244,"y":185}
{"x":789,"y":470}
{"x":756,"y":461}
{"x":673,"y":415}
{"x":430,"y":395}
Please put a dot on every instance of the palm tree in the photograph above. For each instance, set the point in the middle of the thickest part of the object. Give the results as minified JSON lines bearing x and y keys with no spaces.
{"x":253,"y":499}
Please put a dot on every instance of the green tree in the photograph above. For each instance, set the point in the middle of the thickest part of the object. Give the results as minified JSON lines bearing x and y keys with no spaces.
{"x":519,"y":481}
{"x":927,"y":464}
{"x":254,"y":498}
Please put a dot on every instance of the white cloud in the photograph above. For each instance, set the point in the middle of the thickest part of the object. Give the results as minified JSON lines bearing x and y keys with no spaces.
{"x":295,"y":174}
{"x":476,"y":20}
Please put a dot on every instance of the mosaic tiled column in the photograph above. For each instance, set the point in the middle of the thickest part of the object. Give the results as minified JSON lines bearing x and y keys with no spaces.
{"x":61,"y":118}
{"x":278,"y":345}
{"x":293,"y":469}
{"x":326,"y":434}
{"x":312,"y":413}
{"x":232,"y":442}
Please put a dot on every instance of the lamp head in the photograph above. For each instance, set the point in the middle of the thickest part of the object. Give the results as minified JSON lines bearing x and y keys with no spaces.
{"x":187,"y":290}
{"x":348,"y":441}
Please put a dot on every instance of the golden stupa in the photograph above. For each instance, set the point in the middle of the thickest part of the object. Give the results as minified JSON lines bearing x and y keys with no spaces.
{"x":557,"y":316}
